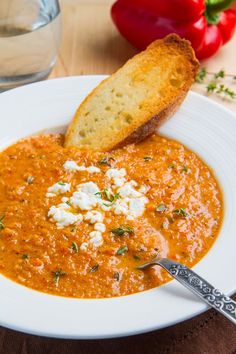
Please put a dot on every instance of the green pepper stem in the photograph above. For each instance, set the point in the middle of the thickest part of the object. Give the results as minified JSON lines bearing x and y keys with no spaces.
{"x":216,"y":6}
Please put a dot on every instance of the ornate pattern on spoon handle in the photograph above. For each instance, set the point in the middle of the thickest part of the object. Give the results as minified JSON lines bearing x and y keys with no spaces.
{"x":202,"y":288}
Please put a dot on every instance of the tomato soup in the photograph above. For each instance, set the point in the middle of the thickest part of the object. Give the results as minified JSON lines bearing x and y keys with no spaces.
{"x":77,"y":223}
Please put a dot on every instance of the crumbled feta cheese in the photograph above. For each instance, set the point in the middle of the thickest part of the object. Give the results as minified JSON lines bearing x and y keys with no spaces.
{"x":131,"y":201}
{"x":81,"y":168}
{"x":121,"y":206}
{"x":88,"y":188}
{"x":93,"y":216}
{"x":100,"y":227}
{"x":73,"y":166}
{"x":93,"y":169}
{"x":64,"y":206}
{"x":96,"y":238}
{"x":128,"y":191}
{"x":50,"y":195}
{"x":137,"y":206}
{"x":129,"y":217}
{"x":62,"y":217}
{"x":70,"y":165}
{"x":119,"y":181}
{"x":144,"y":189}
{"x":133,"y":183}
{"x":83,"y":200}
{"x":115,"y":172}
{"x":59,"y":188}
{"x":64,"y":199}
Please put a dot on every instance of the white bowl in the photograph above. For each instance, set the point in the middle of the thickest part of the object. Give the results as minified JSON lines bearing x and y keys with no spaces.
{"x":202,"y":125}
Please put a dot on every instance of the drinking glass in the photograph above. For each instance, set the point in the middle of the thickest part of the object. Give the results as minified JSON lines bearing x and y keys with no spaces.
{"x":30,"y":33}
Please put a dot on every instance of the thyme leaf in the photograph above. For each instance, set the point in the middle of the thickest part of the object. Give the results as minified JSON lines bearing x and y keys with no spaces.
{"x":120,"y":231}
{"x":122,"y":250}
{"x":57,"y":274}
{"x":181,"y":212}
{"x":220,"y":74}
{"x":137,"y":258}
{"x":108,"y":196}
{"x":117,"y":276}
{"x":25,"y":256}
{"x":73,"y":229}
{"x":161,"y":208}
{"x":94,"y":268}
{"x":211,"y":87}
{"x":106,"y":161}
{"x":74,"y":247}
{"x":147,"y":158}
{"x":2,"y":226}
{"x":201,"y":75}
{"x":30,"y":179}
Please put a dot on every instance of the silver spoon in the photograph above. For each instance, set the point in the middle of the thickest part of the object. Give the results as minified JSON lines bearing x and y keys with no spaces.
{"x":197,"y":285}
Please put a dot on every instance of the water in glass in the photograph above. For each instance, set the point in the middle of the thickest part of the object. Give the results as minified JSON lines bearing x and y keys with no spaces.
{"x":29,"y":40}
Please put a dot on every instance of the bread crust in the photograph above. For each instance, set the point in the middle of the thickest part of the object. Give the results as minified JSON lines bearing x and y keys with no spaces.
{"x":147,"y":129}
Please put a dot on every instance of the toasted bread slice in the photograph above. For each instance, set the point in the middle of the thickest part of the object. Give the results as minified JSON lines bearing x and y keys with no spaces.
{"x":131,"y":103}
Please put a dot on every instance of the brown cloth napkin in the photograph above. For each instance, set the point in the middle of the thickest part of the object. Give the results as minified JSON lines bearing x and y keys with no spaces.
{"x":209,"y":333}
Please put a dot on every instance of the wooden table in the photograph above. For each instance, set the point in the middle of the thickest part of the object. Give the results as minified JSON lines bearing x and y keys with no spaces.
{"x":92,"y":45}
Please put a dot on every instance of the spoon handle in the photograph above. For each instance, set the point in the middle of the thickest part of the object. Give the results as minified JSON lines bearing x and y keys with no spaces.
{"x":201,"y":288}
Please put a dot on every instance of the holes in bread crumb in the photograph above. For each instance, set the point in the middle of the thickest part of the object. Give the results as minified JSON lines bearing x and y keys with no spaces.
{"x":175,"y":82}
{"x":119,"y":94}
{"x":127,"y":119}
{"x":107,"y":108}
{"x":117,"y":115}
{"x":87,"y":113}
{"x":180,"y":70}
{"x":82,"y":133}
{"x":140,"y":106}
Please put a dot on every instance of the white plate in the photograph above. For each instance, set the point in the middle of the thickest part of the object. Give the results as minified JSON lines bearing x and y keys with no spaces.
{"x":205,"y":127}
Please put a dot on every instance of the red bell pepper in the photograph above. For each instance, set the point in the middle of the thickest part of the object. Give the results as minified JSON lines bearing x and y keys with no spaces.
{"x":206,"y":23}
{"x":190,"y":10}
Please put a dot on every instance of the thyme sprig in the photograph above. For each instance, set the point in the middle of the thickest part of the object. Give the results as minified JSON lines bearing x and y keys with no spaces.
{"x":220,"y":89}
{"x":214,"y":86}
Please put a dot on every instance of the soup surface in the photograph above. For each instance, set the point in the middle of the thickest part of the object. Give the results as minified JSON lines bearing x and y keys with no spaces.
{"x":76,"y":223}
